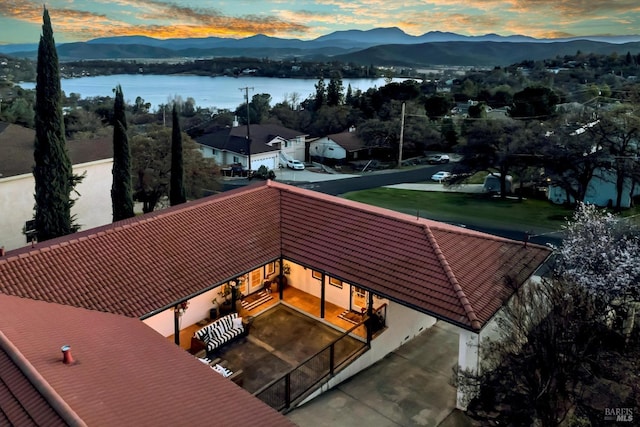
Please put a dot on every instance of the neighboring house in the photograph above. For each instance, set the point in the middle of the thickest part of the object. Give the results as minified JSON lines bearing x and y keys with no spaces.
{"x":601,"y":190}
{"x":91,"y":158}
{"x":141,"y":268}
{"x":229,"y":146}
{"x":339,"y":148}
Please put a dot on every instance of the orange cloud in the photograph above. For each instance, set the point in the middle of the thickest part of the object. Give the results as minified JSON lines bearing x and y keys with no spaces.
{"x":165,"y":20}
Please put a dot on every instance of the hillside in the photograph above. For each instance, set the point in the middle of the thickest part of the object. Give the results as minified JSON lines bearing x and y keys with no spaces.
{"x":479,"y":53}
{"x":379,"y":46}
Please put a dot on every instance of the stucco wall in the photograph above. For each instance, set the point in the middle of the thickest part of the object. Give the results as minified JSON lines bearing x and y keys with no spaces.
{"x":600,"y":191}
{"x":92,"y":208}
{"x":327,"y":148}
{"x":199,"y":306}
{"x":403,"y":324}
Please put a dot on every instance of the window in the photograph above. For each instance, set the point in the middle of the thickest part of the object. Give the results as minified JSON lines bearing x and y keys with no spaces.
{"x":316,"y":274}
{"x":255,"y":277}
{"x":335,"y":282}
{"x":236,"y":159}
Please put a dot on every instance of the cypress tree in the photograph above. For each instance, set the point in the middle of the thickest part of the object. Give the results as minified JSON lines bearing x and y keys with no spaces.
{"x":176,"y":185}
{"x":121,"y":192}
{"x":54,"y":179}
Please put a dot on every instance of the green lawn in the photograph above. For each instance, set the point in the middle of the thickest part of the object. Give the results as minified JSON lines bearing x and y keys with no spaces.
{"x":472,"y":209}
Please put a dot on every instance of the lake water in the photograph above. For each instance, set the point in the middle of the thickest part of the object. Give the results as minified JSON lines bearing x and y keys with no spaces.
{"x":208,"y":92}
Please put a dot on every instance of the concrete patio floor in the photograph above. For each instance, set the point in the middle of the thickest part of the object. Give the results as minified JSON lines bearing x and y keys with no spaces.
{"x":278,"y":341}
{"x":410,"y":387}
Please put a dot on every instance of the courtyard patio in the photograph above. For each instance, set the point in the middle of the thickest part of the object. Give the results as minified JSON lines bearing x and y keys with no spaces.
{"x":284,"y":334}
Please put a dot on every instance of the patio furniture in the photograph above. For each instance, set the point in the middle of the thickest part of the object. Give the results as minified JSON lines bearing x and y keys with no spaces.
{"x":218,"y":333}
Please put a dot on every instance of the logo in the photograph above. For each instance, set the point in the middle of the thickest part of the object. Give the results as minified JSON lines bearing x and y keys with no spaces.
{"x":619,"y":414}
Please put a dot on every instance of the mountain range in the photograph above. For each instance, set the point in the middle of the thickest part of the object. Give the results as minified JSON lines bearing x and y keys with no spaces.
{"x":380,"y":46}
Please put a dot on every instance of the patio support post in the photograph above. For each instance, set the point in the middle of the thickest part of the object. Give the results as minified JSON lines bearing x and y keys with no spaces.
{"x":176,"y":325}
{"x":369,"y":315}
{"x":468,"y":362}
{"x":322,"y":296}
{"x":281,"y":280}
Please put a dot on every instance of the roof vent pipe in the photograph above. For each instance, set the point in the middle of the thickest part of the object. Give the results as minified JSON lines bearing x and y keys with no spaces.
{"x":66,"y":355}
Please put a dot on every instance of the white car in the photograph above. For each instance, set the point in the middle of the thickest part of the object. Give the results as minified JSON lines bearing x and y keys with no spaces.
{"x":295,"y":164}
{"x":438,"y":159}
{"x":441,"y":176}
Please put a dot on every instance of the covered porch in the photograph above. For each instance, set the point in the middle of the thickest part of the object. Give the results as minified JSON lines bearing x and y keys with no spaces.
{"x":297,"y":299}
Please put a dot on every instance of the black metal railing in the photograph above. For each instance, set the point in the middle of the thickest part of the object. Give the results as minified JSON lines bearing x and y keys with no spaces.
{"x":282,"y":392}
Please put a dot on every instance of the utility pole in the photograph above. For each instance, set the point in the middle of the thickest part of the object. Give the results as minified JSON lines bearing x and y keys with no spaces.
{"x":401,"y":137}
{"x":246,"y":97}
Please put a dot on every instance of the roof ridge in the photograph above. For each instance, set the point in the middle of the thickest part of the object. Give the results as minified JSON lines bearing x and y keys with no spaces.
{"x":118,"y":226}
{"x":462,"y":297}
{"x":59,"y":405}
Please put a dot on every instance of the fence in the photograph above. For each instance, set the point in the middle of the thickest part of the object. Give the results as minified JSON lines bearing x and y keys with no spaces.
{"x":282,"y":392}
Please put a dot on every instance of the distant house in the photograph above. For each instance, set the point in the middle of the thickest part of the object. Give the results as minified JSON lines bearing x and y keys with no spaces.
{"x":344,"y":147}
{"x":338,"y":147}
{"x":269,"y":143}
{"x":601,"y":190}
{"x":91,"y":158}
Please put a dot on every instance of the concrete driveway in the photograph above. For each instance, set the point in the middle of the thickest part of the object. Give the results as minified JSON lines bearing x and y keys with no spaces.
{"x":309,"y":175}
{"x":410,"y":387}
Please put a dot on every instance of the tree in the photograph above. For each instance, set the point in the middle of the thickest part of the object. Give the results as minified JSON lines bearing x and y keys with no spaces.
{"x":258,"y":109}
{"x":151,"y":163}
{"x":330,"y":120}
{"x":437,"y":106}
{"x":534,"y":102}
{"x":618,"y":131}
{"x":535,"y":369}
{"x":556,"y":349}
{"x":600,"y":254}
{"x":53,"y":173}
{"x":494,"y":146}
{"x":140,"y":106}
{"x":570,"y":163}
{"x":176,"y":187}
{"x":121,"y":191}
{"x":334,"y":90}
{"x":321,"y":94}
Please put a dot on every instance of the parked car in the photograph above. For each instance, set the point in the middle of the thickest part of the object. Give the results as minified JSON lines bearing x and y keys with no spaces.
{"x":438,"y":159}
{"x":295,"y":164}
{"x":441,"y":176}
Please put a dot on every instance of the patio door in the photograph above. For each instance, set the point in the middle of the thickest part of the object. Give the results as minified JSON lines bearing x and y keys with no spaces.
{"x":359,"y":298}
{"x":255,"y":280}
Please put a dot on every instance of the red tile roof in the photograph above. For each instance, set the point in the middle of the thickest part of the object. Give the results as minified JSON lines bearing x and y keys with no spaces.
{"x":124,"y":373}
{"x":21,"y":403}
{"x":451,"y":272}
{"x":143,"y":265}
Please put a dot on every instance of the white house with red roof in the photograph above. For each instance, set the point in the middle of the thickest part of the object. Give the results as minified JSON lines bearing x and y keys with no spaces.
{"x":137,"y":270}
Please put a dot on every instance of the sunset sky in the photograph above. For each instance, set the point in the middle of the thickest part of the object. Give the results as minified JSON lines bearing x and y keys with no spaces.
{"x":79,"y":20}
